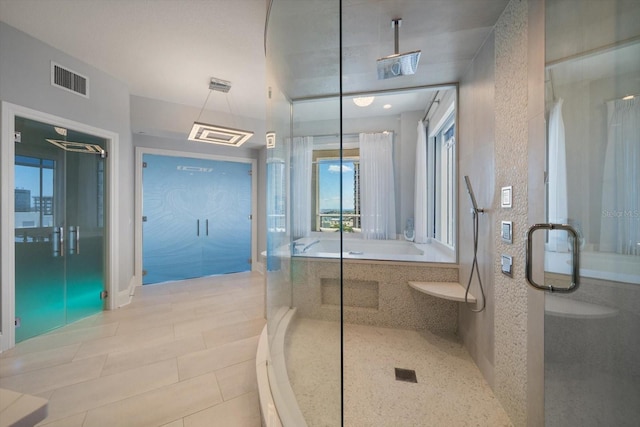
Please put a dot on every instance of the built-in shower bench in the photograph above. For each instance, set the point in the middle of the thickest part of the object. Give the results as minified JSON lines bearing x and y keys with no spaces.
{"x":453,"y":291}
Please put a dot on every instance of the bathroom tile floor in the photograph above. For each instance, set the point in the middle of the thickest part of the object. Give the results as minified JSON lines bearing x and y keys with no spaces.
{"x":450,"y":390}
{"x":182,"y":354}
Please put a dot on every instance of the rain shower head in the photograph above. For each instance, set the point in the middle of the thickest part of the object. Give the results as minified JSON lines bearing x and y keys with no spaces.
{"x":398,"y":64}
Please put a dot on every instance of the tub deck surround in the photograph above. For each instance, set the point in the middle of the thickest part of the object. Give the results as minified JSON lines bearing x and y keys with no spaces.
{"x":328,"y":246}
{"x":373,"y":293}
{"x":596,"y":265}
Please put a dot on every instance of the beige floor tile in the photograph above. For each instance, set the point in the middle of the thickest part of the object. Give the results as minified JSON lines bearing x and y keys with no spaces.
{"x":256,"y":311}
{"x":216,"y":358}
{"x":126,"y":342}
{"x":191,"y":327}
{"x":104,"y":390}
{"x":159,"y":407}
{"x":235,"y":332}
{"x":243,"y":411}
{"x":72,"y":421}
{"x":45,"y":379}
{"x":37,"y":360}
{"x":62,"y":339}
{"x":122,"y":361}
{"x":136,"y":349}
{"x":237,"y":380}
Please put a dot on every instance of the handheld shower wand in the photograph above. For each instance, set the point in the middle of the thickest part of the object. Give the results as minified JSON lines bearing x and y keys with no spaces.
{"x":473,"y":197}
{"x":474,"y":265}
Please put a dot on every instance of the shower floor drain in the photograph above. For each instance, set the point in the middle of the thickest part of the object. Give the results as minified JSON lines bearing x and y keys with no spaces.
{"x":406,"y":375}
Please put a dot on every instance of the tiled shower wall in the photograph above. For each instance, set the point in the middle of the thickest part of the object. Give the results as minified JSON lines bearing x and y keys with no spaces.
{"x":501,"y":115}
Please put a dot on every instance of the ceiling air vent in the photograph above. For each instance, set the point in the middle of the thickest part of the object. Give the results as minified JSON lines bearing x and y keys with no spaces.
{"x":69,"y":80}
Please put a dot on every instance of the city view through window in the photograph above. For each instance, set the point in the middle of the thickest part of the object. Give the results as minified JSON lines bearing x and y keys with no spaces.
{"x":328,"y":206}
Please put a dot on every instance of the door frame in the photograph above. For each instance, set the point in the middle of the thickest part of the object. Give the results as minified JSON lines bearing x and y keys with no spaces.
{"x":7,"y":202}
{"x":141,"y":151}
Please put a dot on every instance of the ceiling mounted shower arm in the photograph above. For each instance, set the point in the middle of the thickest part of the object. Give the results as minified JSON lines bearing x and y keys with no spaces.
{"x":395,"y":24}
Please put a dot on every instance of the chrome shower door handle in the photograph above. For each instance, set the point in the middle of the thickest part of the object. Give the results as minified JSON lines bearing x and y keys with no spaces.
{"x":197,"y":227}
{"x":575,"y":264}
{"x":206,"y":227}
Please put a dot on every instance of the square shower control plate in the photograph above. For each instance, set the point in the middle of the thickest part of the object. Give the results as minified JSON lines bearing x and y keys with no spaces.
{"x":507,"y":265}
{"x":507,"y":232}
{"x":506,"y":197}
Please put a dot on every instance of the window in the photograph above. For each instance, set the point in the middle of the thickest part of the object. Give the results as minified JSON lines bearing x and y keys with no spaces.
{"x":444,"y":182}
{"x":327,"y":172}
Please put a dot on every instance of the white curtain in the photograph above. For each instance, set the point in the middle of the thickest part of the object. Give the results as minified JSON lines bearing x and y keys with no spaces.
{"x":557,"y":201}
{"x":620,"y":224}
{"x":420,"y":198}
{"x":377,"y":187}
{"x":301,"y":159}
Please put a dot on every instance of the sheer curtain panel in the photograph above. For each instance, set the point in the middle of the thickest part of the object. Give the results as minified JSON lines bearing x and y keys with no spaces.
{"x":301,"y":160}
{"x":421,"y":199}
{"x":377,"y":186}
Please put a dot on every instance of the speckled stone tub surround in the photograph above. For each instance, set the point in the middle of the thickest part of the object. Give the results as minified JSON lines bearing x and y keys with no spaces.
{"x":374,"y":293}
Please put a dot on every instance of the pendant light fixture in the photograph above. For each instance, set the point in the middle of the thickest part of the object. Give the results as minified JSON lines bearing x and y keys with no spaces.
{"x":214,"y":134}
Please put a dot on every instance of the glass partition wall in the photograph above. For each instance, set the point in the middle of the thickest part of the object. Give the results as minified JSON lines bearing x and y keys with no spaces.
{"x":305,"y":351}
{"x":361,"y":199}
{"x":354,"y":211}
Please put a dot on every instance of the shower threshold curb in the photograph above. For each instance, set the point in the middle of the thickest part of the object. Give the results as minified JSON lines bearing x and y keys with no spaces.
{"x":278,"y":403}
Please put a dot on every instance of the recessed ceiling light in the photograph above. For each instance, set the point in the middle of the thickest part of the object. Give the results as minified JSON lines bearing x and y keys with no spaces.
{"x":386,"y":106}
{"x":363,"y":101}
{"x":628,"y":97}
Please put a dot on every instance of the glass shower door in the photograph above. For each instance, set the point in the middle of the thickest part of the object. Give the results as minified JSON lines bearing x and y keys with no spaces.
{"x":592,"y":335}
{"x":59,"y":223}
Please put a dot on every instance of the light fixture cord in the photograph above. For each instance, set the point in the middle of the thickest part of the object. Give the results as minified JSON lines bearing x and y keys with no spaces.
{"x":233,"y":117}
{"x":204,"y":105}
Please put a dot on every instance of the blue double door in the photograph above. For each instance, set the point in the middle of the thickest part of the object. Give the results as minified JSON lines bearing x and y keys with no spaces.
{"x":196,"y":217}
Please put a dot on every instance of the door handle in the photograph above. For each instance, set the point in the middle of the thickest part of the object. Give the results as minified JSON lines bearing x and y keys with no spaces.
{"x":198,"y":227}
{"x":57,"y":241}
{"x":74,"y":240}
{"x":206,"y":222}
{"x":575,"y":264}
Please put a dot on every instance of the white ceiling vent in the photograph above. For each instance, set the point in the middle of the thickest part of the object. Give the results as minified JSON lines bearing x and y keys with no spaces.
{"x":69,"y":80}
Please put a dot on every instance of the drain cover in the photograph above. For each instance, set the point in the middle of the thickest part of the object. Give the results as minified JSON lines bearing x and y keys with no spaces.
{"x":407,"y":375}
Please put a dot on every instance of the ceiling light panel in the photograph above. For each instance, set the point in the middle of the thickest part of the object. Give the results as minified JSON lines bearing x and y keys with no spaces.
{"x":202,"y":132}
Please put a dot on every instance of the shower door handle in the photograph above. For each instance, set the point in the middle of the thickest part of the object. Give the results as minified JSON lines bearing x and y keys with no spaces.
{"x":197,"y":227}
{"x":206,"y":227}
{"x":575,"y":253}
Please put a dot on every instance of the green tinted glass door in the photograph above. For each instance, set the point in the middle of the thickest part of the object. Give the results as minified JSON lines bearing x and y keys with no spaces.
{"x":39,"y":267}
{"x":59,"y":218}
{"x":84,"y":234}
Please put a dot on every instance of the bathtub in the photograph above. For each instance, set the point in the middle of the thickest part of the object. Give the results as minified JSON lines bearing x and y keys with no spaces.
{"x":383,"y":250}
{"x":597,"y":265}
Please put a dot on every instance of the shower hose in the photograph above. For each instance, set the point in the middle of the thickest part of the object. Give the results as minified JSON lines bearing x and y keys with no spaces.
{"x":474,"y":265}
